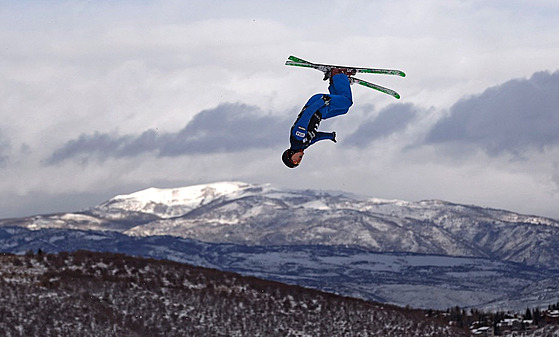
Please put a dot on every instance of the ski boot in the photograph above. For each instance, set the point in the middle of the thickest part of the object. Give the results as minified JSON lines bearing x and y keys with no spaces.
{"x":335,"y":71}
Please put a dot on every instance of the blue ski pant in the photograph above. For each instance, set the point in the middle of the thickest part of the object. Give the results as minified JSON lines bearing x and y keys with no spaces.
{"x":340,"y":98}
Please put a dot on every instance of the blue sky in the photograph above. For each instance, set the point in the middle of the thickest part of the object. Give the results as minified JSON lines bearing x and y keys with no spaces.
{"x":104,"y":98}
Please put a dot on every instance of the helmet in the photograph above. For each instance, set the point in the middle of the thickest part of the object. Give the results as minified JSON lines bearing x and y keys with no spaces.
{"x":286,"y":158}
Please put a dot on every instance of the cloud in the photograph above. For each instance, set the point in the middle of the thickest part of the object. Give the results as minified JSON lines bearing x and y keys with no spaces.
{"x":4,"y":149}
{"x":228,"y":128}
{"x":390,"y":120}
{"x":103,"y":145}
{"x":517,"y":116}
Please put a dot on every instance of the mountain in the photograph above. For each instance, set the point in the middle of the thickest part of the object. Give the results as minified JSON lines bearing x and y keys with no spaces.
{"x":240,"y":213}
{"x":420,"y":281}
{"x":102,"y":294}
{"x":426,"y":254}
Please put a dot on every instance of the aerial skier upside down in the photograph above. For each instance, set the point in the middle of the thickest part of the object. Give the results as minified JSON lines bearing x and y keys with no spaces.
{"x":304,"y":131}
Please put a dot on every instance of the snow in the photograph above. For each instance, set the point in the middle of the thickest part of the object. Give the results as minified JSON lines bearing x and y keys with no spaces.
{"x":172,"y":202}
{"x":78,"y":217}
{"x":395,"y":202}
{"x":316,"y":204}
{"x":185,"y":195}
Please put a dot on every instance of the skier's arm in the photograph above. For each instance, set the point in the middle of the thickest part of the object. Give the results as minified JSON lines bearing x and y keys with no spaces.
{"x":324,"y":136}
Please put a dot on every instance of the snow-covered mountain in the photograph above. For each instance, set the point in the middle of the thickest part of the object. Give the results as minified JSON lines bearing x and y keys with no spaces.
{"x":241,"y":213}
{"x":476,"y":256}
{"x":172,"y":202}
{"x":420,"y":281}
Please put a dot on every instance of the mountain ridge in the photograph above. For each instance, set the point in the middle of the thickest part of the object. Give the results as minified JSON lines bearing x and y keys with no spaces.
{"x":314,"y":225}
{"x":242,"y":213}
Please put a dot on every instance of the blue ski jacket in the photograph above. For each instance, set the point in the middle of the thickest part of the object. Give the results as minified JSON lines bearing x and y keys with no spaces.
{"x":304,"y":131}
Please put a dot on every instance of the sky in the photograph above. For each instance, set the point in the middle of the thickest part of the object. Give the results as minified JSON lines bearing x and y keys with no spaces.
{"x":102,"y":98}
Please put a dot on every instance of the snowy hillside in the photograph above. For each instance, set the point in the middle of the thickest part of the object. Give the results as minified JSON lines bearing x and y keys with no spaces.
{"x":101,"y":294}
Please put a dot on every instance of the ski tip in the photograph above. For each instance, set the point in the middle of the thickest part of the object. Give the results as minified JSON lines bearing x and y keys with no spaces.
{"x":297,"y":59}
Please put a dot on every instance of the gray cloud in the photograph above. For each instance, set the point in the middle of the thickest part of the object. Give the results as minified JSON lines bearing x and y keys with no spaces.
{"x":4,"y":149}
{"x":394,"y":118}
{"x":226,"y":128}
{"x":514,"y":117}
{"x":99,"y":145}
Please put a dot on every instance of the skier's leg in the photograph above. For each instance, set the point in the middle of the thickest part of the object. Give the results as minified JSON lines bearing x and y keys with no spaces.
{"x":340,"y":86}
{"x":314,"y":99}
{"x":332,"y":89}
{"x":340,"y":97}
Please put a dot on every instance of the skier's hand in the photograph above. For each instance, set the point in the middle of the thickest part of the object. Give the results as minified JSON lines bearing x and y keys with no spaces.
{"x":334,"y":136}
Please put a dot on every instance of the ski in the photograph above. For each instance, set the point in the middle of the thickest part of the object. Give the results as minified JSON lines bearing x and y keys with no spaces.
{"x":377,"y":87}
{"x":298,"y":62}
{"x":325,"y":68}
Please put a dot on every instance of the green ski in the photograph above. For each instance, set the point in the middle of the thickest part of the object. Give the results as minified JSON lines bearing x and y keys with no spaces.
{"x":298,"y":62}
{"x":325,"y":68}
{"x":374,"y":86}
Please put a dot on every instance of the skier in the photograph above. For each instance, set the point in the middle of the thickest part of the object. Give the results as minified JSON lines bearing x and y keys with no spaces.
{"x":304,"y":131}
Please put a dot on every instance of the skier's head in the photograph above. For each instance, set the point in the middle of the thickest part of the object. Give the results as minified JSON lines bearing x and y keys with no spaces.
{"x":292,"y":158}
